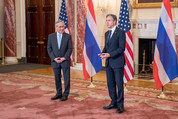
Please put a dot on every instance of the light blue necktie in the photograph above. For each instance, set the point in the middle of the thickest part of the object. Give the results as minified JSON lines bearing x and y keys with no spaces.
{"x":59,"y":40}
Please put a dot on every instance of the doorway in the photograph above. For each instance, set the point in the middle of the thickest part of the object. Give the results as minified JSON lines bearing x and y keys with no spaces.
{"x":40,"y":21}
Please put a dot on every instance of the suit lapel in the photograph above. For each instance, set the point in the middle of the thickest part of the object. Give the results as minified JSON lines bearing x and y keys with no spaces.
{"x":107,"y":38}
{"x":114,"y":34}
{"x":112,"y":37}
{"x":55,"y":40}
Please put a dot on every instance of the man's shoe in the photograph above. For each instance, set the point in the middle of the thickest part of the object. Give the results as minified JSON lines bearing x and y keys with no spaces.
{"x":56,"y":97}
{"x":64,"y":98}
{"x":110,"y":107}
{"x":120,"y":109}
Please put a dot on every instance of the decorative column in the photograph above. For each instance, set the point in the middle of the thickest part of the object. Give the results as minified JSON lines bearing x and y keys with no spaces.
{"x":81,"y":22}
{"x":71,"y":23}
{"x":10,"y":31}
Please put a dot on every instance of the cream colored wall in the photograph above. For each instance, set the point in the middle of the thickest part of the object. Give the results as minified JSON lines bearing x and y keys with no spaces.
{"x":57,"y":8}
{"x":20,"y":28}
{"x":152,"y":13}
{"x":1,"y":21}
{"x":1,"y":18}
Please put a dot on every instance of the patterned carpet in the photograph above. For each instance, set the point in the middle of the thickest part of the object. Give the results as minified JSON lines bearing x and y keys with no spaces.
{"x":27,"y":96}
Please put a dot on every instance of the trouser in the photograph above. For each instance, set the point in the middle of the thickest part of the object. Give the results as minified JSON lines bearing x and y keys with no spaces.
{"x":66,"y":74}
{"x":115,"y":78}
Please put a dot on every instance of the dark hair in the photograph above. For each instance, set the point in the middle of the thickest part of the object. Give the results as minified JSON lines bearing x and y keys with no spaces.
{"x":114,"y":18}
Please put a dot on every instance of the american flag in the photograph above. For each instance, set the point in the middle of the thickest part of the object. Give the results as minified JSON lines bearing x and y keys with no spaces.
{"x":124,"y":24}
{"x":63,"y":17}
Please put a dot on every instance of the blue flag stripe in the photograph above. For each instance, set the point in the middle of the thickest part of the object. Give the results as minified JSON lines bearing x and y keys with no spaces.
{"x":92,"y":49}
{"x":166,"y":51}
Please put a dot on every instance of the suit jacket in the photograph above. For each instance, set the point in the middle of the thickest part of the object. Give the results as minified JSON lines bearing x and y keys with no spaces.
{"x":115,"y":48}
{"x":64,"y":51}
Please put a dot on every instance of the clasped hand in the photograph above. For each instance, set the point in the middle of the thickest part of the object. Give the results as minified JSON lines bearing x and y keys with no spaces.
{"x":104,"y":55}
{"x":59,"y":59}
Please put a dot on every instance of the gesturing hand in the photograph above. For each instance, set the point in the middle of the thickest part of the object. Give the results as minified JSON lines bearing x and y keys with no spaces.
{"x":104,"y":55}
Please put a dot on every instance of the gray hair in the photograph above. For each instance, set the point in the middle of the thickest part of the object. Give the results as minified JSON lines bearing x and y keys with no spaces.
{"x":56,"y":24}
{"x":114,"y":18}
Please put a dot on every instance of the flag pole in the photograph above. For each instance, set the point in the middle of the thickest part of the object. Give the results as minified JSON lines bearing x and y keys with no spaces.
{"x":91,"y":84}
{"x":125,"y":88}
{"x":162,"y":95}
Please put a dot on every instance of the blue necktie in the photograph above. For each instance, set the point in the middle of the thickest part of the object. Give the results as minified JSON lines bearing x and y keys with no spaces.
{"x":59,"y":41}
{"x":109,"y":37}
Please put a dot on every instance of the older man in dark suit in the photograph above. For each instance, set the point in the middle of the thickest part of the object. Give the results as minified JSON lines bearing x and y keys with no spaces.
{"x":113,"y":52}
{"x":59,"y":49}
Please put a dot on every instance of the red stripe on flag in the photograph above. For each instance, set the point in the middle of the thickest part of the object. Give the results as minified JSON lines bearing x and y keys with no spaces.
{"x":130,"y":36}
{"x":129,"y":50}
{"x":127,"y":46}
{"x":167,"y":5}
{"x":85,"y":73}
{"x":91,"y":9}
{"x":71,"y":62}
{"x":156,"y":76}
{"x":129,"y":65}
{"x":126,"y":76}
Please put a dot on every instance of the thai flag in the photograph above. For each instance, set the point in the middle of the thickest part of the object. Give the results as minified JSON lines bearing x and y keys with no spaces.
{"x":165,"y":58}
{"x":64,"y":18}
{"x":91,"y":61}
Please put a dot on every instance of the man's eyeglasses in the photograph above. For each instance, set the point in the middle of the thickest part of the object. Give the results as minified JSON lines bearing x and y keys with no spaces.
{"x":60,"y":26}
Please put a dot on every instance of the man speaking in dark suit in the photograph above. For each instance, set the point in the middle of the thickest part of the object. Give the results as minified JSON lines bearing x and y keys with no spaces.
{"x":113,"y":52}
{"x":59,"y":49}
